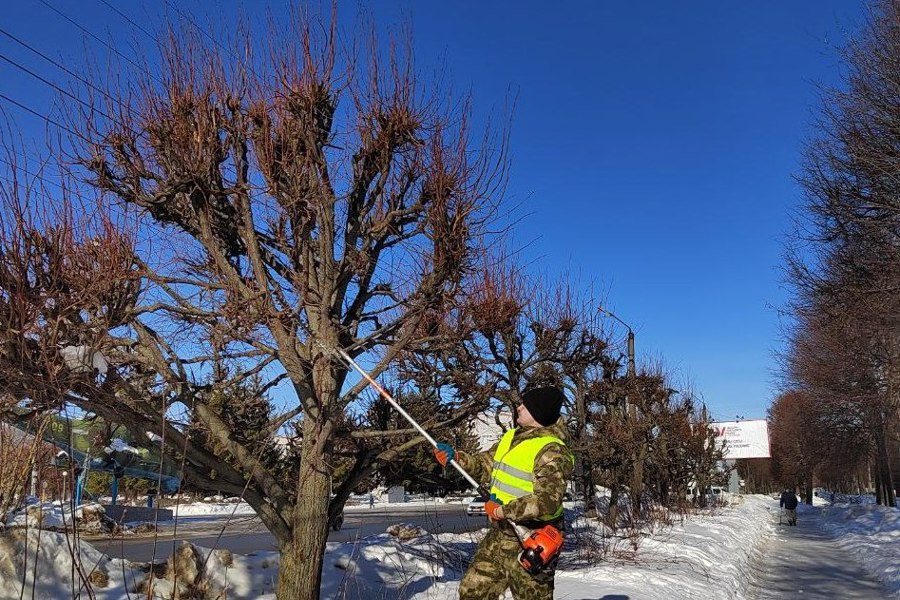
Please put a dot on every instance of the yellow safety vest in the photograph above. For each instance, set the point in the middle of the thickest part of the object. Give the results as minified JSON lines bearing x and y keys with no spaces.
{"x":513,"y":472}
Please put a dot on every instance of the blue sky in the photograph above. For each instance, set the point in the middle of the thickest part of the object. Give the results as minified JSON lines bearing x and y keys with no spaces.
{"x":653,"y":146}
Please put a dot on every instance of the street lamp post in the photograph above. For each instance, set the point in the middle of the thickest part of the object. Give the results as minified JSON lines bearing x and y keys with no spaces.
{"x":630,"y":373}
{"x":638,"y":454}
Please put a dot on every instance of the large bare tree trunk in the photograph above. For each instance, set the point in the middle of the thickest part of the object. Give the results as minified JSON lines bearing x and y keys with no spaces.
{"x":637,"y":481}
{"x":300,"y":574}
{"x":612,"y":516}
{"x":885,"y":486}
{"x":583,"y":468}
{"x":588,"y":491}
{"x":879,"y":496}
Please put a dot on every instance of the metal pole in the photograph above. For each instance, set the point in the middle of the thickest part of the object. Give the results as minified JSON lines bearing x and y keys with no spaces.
{"x":631,"y":370}
{"x":79,"y":487}
{"x":406,"y":416}
{"x":82,"y":479}
{"x":631,"y":414}
{"x":115,"y":489}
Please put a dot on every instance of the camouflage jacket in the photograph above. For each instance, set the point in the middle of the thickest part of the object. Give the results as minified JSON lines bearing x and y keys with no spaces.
{"x":552,"y":469}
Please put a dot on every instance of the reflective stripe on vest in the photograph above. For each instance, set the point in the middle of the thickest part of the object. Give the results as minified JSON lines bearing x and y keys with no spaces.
{"x":513,"y":473}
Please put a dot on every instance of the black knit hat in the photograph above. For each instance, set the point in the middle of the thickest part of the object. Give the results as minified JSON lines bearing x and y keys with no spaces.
{"x":544,"y":404}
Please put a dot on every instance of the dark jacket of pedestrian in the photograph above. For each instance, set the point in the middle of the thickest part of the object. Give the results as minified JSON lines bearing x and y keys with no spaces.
{"x":788,"y":500}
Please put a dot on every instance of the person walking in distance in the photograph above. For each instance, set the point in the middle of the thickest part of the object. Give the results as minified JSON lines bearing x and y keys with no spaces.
{"x":526,"y":471}
{"x":789,"y":504}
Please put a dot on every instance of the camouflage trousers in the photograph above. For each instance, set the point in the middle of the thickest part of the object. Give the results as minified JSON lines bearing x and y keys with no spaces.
{"x":496,"y":568}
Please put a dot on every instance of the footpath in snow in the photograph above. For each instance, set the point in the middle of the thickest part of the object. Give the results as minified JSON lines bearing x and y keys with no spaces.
{"x":833,"y":552}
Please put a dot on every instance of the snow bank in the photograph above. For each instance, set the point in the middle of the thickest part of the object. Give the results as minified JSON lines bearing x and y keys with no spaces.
{"x":871,"y":534}
{"x":708,"y":556}
{"x":39,"y":565}
{"x":392,"y":565}
{"x":57,"y":516}
{"x":403,"y":563}
{"x":200,"y":509}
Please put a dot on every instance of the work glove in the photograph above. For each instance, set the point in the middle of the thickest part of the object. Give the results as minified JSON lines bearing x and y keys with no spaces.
{"x":444,"y":453}
{"x":493,"y":508}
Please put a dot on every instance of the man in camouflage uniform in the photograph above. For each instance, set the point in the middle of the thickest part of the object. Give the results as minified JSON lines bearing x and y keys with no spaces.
{"x":495,"y":567}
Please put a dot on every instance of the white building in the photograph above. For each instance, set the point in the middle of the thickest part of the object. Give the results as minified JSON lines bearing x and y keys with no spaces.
{"x":485,"y":427}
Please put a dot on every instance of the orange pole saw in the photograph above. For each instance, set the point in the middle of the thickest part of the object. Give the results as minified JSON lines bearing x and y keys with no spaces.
{"x":539,"y":546}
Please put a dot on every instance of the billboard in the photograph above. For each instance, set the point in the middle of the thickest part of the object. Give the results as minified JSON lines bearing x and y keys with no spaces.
{"x":743,"y":439}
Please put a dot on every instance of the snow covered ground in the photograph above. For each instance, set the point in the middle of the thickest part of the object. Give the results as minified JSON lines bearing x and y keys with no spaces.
{"x":203,"y":509}
{"x":869,"y":533}
{"x":707,"y":555}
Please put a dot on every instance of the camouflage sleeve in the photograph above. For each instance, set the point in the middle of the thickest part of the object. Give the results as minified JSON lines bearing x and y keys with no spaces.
{"x":552,"y":469}
{"x":478,"y":465}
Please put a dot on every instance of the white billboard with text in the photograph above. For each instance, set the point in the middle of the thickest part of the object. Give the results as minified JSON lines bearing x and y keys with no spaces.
{"x":743,"y":439}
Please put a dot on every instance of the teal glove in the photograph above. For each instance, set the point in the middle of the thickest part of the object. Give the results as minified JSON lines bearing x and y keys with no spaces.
{"x":444,"y":453}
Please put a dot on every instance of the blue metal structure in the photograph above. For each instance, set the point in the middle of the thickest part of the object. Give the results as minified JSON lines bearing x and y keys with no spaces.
{"x":165,"y":483}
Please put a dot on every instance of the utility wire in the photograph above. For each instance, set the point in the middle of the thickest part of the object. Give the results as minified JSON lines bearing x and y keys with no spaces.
{"x":184,"y":15}
{"x":127,"y":18}
{"x":82,"y":79}
{"x":43,"y":177}
{"x":73,"y":96}
{"x":57,"y":88}
{"x":56,"y":64}
{"x":24,"y":169}
{"x":44,"y":117}
{"x":30,"y":175}
{"x":109,"y":46}
{"x":72,"y":74}
{"x":16,"y":183}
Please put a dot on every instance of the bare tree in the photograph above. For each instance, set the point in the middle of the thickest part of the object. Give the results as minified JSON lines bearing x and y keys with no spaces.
{"x":846,"y":266}
{"x":288,"y":207}
{"x":796,"y":440}
{"x":836,"y":357}
{"x":647,"y":440}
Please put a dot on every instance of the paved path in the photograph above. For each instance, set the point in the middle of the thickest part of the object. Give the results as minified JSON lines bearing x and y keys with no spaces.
{"x":803,"y":562}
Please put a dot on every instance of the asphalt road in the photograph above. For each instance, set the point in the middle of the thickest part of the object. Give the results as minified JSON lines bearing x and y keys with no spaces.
{"x":244,"y":535}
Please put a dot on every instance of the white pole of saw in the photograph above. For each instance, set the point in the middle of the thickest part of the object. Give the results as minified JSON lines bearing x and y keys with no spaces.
{"x":404,"y":414}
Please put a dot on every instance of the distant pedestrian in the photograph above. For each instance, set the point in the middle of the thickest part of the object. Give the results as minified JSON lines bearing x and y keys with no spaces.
{"x":371,"y":500}
{"x":789,"y":504}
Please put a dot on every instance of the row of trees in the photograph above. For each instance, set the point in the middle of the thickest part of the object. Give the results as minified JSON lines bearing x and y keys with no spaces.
{"x":233,"y":220}
{"x":840,"y":415}
{"x":631,"y":431}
